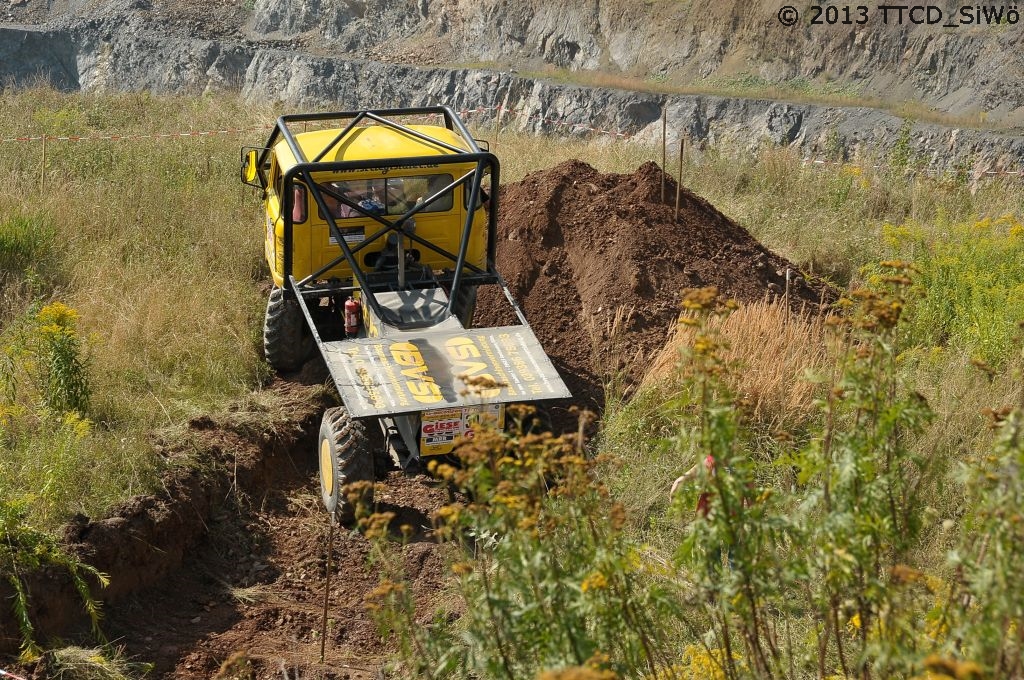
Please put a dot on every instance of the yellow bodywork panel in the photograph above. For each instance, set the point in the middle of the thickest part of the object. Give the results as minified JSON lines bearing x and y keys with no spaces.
{"x":368,"y":144}
{"x":389,"y":192}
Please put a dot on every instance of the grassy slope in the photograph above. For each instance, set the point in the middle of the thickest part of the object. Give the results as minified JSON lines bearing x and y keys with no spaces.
{"x":152,"y":242}
{"x":157,"y":246}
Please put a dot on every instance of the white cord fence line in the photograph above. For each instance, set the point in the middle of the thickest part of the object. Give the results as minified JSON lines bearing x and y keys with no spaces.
{"x":926,"y":171}
{"x":129,"y":137}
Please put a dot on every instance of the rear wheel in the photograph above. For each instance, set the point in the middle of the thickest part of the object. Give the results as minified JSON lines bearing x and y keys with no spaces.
{"x":344,"y":458}
{"x":287,"y":341}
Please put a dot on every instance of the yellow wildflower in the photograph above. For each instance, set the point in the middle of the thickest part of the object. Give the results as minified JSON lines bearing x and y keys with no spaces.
{"x":595,"y":581}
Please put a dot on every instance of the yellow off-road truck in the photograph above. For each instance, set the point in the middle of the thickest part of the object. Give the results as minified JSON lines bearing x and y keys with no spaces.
{"x":379,"y":228}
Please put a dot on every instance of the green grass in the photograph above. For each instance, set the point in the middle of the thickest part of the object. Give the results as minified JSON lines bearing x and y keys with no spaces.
{"x":157,"y":247}
{"x":831,"y":220}
{"x":970,"y":283}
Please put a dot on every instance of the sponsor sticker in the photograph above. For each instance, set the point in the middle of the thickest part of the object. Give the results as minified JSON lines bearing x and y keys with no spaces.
{"x":352,"y":236}
{"x":441,"y":427}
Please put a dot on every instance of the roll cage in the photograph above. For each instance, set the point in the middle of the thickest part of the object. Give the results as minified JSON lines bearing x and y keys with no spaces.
{"x":462,"y":273}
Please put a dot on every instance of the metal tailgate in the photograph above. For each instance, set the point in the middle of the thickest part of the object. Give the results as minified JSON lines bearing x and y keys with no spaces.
{"x":419,"y":370}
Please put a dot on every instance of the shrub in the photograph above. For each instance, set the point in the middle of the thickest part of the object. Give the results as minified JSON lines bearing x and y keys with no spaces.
{"x":49,"y":449}
{"x":545,"y":576}
{"x":43,"y":364}
{"x":983,"y":611}
{"x":24,"y":550}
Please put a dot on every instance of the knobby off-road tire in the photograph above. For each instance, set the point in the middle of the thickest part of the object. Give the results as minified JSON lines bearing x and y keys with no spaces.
{"x":344,"y":457}
{"x":287,"y":342}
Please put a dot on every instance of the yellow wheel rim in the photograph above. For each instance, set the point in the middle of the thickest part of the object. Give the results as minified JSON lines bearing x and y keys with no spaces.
{"x":326,"y":468}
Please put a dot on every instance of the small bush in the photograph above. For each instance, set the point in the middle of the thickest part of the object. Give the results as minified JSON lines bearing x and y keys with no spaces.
{"x":24,"y":550}
{"x":983,"y":610}
{"x":45,"y":371}
{"x":50,"y":450}
{"x":554,"y":582}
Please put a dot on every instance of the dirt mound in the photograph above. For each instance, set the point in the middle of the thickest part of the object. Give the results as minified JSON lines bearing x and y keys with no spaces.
{"x":580,"y":249}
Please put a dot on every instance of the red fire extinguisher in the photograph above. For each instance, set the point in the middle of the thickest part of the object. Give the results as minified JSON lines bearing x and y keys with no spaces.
{"x":351,"y":317}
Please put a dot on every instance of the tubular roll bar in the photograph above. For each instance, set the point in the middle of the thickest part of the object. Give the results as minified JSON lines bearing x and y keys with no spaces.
{"x":305,"y":168}
{"x":389,"y":225}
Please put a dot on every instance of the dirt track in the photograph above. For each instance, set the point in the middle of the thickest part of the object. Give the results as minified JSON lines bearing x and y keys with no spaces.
{"x":254,"y":584}
{"x":230,"y":558}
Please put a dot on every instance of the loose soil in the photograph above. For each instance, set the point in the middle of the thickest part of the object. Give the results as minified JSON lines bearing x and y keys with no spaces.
{"x":226,"y":567}
{"x":597,"y":262}
{"x":255,"y":588}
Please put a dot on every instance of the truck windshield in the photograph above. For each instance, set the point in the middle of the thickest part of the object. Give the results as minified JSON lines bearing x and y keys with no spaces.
{"x":389,"y":196}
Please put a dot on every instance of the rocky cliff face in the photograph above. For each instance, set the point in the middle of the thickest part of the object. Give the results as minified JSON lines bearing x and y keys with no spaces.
{"x":968,"y":70}
{"x":965,"y":70}
{"x":301,"y":51}
{"x":97,"y":55}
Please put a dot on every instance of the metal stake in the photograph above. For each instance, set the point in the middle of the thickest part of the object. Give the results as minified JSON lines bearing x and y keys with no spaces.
{"x":664,"y":141}
{"x":42,"y":168}
{"x":327,"y":586}
{"x":679,"y":182}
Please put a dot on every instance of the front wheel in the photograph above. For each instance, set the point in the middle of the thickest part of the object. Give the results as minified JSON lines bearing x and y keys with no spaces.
{"x":287,"y":341}
{"x":344,"y":458}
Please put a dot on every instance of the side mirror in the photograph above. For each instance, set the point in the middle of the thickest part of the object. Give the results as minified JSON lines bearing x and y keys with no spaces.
{"x":250,"y":168}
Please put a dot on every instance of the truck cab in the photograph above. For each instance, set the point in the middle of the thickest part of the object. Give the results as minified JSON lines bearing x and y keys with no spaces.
{"x":352,"y":197}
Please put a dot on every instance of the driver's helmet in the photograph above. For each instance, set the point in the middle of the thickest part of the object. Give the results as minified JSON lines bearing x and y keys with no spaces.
{"x":372,"y":206}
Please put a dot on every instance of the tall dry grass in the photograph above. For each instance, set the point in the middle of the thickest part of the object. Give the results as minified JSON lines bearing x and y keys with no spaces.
{"x":771,"y":352}
{"x":158,"y":248}
{"x":772,"y":356}
{"x":155,"y":243}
